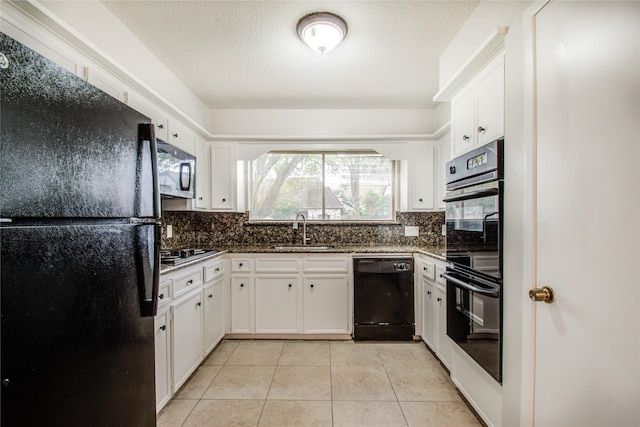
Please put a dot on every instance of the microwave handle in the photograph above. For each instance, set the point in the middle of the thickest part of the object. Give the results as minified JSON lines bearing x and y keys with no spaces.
{"x":184,"y":187}
{"x":470,"y":287}
{"x":472,"y":195}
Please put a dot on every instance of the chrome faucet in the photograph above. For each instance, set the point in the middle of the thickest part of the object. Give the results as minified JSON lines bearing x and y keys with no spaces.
{"x":304,"y":227}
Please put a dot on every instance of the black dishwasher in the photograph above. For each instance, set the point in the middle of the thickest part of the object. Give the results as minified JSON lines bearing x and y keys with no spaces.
{"x":383,"y":298}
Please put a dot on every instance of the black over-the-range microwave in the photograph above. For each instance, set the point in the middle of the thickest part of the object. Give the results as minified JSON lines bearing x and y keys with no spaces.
{"x":176,"y":171}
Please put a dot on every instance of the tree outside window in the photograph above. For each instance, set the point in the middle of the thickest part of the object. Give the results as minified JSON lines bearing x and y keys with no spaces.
{"x":329,"y":186}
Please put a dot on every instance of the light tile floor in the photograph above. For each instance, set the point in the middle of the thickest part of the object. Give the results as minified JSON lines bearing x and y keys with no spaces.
{"x":318,"y":383}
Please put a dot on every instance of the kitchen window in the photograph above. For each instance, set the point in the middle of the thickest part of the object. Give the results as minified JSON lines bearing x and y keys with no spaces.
{"x":325,"y":186}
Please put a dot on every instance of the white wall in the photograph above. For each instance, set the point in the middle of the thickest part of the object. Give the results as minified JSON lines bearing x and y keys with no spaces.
{"x":322,"y":122}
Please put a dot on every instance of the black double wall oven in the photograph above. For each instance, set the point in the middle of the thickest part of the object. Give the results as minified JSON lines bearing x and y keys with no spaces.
{"x":473,"y":218}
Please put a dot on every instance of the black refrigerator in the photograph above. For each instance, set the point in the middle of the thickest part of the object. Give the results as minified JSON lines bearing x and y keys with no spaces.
{"x":79,"y":238}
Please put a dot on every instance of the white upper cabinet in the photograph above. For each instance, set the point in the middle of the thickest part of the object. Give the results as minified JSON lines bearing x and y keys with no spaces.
{"x":149,"y":109}
{"x":203,"y":169}
{"x":421,"y":170}
{"x":223,"y":176}
{"x":477,"y":110}
{"x":180,"y":136}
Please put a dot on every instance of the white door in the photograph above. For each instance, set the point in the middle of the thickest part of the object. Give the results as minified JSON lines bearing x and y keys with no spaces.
{"x":587,"y":343}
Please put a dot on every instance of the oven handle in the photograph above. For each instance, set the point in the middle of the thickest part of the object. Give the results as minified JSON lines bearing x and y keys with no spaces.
{"x":472,"y":195}
{"x":470,"y":287}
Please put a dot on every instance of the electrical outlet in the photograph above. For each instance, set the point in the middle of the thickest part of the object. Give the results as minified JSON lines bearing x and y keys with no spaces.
{"x":411,"y":231}
{"x":169,"y":231}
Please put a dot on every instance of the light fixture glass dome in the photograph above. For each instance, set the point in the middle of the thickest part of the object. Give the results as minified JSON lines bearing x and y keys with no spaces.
{"x":322,"y":31}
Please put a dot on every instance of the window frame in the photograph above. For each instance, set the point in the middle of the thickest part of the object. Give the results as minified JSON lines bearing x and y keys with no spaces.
{"x":393,"y":186}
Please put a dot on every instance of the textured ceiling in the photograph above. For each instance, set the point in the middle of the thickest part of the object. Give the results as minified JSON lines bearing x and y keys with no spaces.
{"x":246,"y":54}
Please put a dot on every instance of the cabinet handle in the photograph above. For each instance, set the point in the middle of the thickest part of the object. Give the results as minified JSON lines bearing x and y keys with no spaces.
{"x":217,"y":269}
{"x":481,"y":129}
{"x":312,"y":285}
{"x":240,"y":265}
{"x":242,"y":285}
{"x":163,"y":327}
{"x":175,"y":135}
{"x":439,"y":299}
{"x":199,"y":198}
{"x":161,"y":126}
{"x":190,"y":281}
{"x":289,"y":284}
{"x":465,"y":137}
{"x":224,"y":200}
{"x":210,"y":295}
{"x":198,"y":304}
{"x":420,"y":200}
{"x":161,"y":296}
{"x":429,"y":293}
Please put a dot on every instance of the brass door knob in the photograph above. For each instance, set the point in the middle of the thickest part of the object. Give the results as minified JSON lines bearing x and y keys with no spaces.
{"x":545,"y":294}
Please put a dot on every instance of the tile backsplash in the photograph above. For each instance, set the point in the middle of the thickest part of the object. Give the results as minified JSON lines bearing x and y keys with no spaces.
{"x":220,"y":229}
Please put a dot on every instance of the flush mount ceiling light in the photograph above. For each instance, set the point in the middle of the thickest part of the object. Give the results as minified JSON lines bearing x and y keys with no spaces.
{"x":322,"y":31}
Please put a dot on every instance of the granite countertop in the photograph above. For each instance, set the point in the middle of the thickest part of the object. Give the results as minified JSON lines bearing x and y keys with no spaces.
{"x":436,"y":252}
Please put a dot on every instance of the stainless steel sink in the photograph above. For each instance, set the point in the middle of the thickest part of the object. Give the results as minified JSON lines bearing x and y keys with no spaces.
{"x":302,"y":248}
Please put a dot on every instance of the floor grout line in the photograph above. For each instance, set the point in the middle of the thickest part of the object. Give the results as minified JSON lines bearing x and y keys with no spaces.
{"x":302,"y":359}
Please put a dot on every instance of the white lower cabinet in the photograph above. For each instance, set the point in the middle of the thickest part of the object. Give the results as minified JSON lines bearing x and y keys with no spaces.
{"x":163,"y":358}
{"x":190,"y":322}
{"x":434,"y":308}
{"x":187,"y":344}
{"x":214,"y":302}
{"x":443,"y":349}
{"x":290,"y":294}
{"x":277,"y":305}
{"x":242,"y":305}
{"x":326,"y":304}
{"x":429,"y":312}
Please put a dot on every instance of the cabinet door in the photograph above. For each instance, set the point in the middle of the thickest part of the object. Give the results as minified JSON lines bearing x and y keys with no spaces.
{"x":203,"y":199}
{"x":187,"y":337}
{"x":106,"y":82}
{"x":490,"y":102}
{"x":444,"y":342}
{"x":146,"y":107}
{"x":422,"y":178}
{"x":463,"y":120}
{"x":213,"y":314}
{"x":180,"y":136}
{"x":443,"y":155}
{"x":326,"y":305}
{"x":163,"y":360}
{"x":277,"y":305}
{"x":241,"y":305}
{"x":222,"y":177}
{"x":429,"y":317}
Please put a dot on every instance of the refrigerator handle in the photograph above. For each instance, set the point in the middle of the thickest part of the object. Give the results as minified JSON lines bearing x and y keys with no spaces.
{"x":148,"y":153}
{"x":148,"y":265}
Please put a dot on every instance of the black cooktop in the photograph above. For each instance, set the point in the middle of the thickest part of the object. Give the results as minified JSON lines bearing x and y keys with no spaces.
{"x":181,"y":256}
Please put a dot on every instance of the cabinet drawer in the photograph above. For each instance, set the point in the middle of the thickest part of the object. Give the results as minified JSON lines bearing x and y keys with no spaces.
{"x":164,"y":292}
{"x":186,"y":282}
{"x":277,"y":265}
{"x":241,"y":265}
{"x":428,"y":270}
{"x":325,"y":265}
{"x":213,"y":270}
